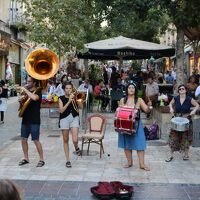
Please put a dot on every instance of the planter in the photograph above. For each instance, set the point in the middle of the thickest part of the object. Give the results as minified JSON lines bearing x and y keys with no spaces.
{"x":164,"y":109}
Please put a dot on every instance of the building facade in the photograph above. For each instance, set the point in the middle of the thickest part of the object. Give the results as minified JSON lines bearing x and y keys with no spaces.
{"x":12,"y":41}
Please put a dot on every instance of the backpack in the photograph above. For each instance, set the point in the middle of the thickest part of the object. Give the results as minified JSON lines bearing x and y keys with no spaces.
{"x":151,"y":133}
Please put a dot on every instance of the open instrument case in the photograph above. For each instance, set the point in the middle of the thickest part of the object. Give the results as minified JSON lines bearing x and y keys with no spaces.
{"x":112,"y":190}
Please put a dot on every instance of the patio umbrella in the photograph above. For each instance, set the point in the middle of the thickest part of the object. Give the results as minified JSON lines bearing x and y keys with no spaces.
{"x":126,"y":49}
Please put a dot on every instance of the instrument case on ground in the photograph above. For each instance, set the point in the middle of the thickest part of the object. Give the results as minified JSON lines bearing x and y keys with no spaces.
{"x":112,"y":190}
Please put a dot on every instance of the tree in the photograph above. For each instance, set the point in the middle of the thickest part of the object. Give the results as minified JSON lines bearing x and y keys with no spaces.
{"x":183,"y":14}
{"x":61,"y":24}
{"x":138,"y":19}
{"x":65,"y":23}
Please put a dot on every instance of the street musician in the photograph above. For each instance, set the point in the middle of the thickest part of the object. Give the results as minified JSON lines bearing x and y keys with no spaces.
{"x":31,"y":121}
{"x":69,"y":119}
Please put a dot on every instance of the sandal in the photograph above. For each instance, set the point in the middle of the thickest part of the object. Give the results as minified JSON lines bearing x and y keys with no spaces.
{"x":185,"y":157}
{"x":23,"y":162}
{"x":68,"y":164}
{"x":169,"y":159}
{"x":78,"y":151}
{"x":41,"y":163}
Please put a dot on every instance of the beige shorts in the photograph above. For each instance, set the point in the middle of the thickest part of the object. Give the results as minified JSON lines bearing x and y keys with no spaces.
{"x":69,"y":122}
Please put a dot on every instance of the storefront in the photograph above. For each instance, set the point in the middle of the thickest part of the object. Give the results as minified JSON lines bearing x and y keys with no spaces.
{"x":192,"y":66}
{"x":14,"y":60}
{"x":5,"y":39}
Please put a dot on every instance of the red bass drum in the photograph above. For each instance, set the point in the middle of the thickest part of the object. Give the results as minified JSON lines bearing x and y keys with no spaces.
{"x":125,"y":118}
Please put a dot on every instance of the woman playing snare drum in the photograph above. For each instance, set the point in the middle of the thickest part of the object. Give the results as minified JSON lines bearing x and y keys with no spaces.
{"x":137,"y":141}
{"x":181,"y":140}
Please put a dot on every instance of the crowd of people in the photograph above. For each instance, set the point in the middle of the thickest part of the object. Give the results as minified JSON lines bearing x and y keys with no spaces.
{"x":129,"y":87}
{"x":111,"y":83}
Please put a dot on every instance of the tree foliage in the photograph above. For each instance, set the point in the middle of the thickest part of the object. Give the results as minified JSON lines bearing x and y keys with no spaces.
{"x":184,"y":14}
{"x":65,"y":23}
{"x":139,"y":19}
{"x":61,"y":24}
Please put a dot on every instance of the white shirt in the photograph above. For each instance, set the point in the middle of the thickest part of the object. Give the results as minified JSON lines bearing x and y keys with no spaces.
{"x":84,"y":88}
{"x":51,"y":89}
{"x":152,"y":89}
{"x":59,"y":91}
{"x":197,"y":91}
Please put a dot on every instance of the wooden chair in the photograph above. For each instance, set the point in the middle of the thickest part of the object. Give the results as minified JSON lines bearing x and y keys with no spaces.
{"x":94,"y":132}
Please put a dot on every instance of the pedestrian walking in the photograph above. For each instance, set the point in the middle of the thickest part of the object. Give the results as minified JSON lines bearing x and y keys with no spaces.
{"x":181,"y":140}
{"x":31,"y":121}
{"x":69,"y":119}
{"x":137,"y":141}
{"x":3,"y":99}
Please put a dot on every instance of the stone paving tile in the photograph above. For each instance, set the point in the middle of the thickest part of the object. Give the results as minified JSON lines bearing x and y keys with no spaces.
{"x":50,"y":190}
{"x":92,"y":168}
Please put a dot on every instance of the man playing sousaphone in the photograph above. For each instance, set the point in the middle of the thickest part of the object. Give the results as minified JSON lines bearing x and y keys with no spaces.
{"x":31,"y":121}
{"x":180,"y":107}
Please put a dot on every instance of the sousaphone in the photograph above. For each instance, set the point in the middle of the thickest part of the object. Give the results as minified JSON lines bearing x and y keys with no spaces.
{"x":40,"y":64}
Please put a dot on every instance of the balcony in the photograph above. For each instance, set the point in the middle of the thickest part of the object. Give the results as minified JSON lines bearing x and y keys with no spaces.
{"x":16,"y":20}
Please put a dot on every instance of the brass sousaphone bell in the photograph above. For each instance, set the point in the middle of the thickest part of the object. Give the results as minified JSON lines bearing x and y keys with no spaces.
{"x":40,"y":64}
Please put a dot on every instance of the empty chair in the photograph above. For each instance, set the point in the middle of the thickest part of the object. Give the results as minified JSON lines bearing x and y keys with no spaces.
{"x":94,"y":132}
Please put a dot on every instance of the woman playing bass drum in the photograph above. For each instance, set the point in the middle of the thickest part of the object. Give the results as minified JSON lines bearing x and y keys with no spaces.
{"x":136,"y":141}
{"x":180,"y":106}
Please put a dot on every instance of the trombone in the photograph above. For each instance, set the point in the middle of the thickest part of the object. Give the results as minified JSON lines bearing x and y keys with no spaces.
{"x":79,"y":97}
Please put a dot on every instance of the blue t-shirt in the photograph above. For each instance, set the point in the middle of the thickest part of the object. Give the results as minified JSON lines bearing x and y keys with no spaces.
{"x":169,"y":79}
{"x":185,"y":107}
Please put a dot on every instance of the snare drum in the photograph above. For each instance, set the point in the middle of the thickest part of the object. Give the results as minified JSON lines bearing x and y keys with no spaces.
{"x":180,"y":124}
{"x":125,"y":118}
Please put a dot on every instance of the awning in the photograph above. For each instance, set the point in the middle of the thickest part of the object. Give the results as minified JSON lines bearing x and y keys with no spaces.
{"x":126,"y":49}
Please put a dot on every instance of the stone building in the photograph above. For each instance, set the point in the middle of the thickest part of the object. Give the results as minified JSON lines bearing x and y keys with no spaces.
{"x":12,"y":41}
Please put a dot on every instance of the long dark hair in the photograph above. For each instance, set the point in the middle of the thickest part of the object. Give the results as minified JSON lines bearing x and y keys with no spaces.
{"x":135,"y":86}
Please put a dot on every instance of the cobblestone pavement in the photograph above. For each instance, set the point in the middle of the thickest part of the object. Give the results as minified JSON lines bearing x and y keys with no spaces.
{"x":175,"y":180}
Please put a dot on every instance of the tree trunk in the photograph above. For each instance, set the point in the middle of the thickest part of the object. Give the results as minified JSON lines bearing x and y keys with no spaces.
{"x":195,"y":48}
{"x":86,"y":68}
{"x":180,"y":57}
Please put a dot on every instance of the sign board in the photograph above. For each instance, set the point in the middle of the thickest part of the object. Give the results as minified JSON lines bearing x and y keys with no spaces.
{"x":5,"y":40}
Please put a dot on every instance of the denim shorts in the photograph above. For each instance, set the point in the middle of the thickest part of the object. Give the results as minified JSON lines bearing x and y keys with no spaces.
{"x":33,"y":129}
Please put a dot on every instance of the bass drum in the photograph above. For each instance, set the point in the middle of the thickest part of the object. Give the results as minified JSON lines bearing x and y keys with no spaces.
{"x":125,"y":118}
{"x":180,"y":124}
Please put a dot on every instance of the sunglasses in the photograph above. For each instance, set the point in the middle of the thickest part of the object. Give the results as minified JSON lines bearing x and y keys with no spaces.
{"x":181,"y":89}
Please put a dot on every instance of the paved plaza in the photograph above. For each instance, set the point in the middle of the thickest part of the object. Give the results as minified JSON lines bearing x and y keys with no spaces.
{"x":175,"y":180}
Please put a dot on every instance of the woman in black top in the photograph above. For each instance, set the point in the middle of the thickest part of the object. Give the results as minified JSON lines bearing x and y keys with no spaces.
{"x":69,"y":119}
{"x":180,"y":106}
{"x":3,"y":99}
